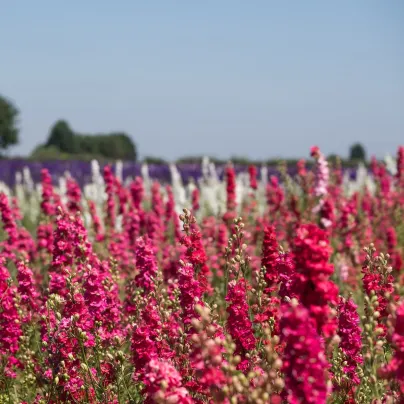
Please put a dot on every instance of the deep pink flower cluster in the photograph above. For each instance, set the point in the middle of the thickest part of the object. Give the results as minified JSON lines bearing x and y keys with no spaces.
{"x":395,"y":369}
{"x":191,"y":293}
{"x":111,"y":203}
{"x":400,"y":165}
{"x":350,"y":334}
{"x":163,"y":384}
{"x":73,"y":196}
{"x":322,"y":176}
{"x":195,"y":200}
{"x":231,"y":202}
{"x":252,"y":171}
{"x":9,"y":226}
{"x":238,"y":323}
{"x":146,"y":264}
{"x":381,"y":284}
{"x":269,"y":258}
{"x":304,"y":363}
{"x":27,"y":287}
{"x":311,"y":282}
{"x":10,"y":329}
{"x":48,"y":205}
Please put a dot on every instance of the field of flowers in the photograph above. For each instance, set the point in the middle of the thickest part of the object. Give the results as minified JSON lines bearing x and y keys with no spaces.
{"x":246,"y":288}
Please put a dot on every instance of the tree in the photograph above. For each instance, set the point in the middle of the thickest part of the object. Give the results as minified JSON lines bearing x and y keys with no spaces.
{"x":8,"y":124}
{"x":357,"y":152}
{"x":62,"y":137}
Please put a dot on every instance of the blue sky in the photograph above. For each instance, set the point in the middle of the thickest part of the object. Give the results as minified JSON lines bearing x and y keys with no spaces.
{"x":229,"y":77}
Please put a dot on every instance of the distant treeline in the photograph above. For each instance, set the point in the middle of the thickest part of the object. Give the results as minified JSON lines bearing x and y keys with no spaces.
{"x":64,"y":143}
{"x":333,"y":160}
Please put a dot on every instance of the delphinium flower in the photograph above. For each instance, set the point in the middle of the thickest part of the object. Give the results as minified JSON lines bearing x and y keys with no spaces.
{"x":396,"y":258}
{"x":327,"y":214}
{"x":304,"y":363}
{"x":190,"y":293}
{"x":10,"y":329}
{"x":239,"y":324}
{"x":25,"y":243}
{"x":231,"y":203}
{"x":195,"y":199}
{"x":48,"y":207}
{"x":252,"y":171}
{"x":48,"y":210}
{"x":301,"y":168}
{"x":163,"y":384}
{"x":287,"y":272}
{"x":335,"y":187}
{"x":222,"y":237}
{"x":149,"y":340}
{"x":270,"y":253}
{"x":132,"y":226}
{"x":195,"y":253}
{"x":377,"y":281}
{"x":351,"y":344}
{"x":170,"y":204}
{"x":275,"y":195}
{"x":268,"y":310}
{"x":400,"y":166}
{"x":19,"y":243}
{"x":110,"y":191}
{"x":123,"y":196}
{"x":395,"y":368}
{"x":145,"y":264}
{"x":27,"y":288}
{"x":322,"y":176}
{"x":170,"y":212}
{"x":9,"y":226}
{"x":16,"y":209}
{"x":62,"y":254}
{"x":311,"y":281}
{"x":65,"y":338}
{"x":68,"y":326}
{"x":206,"y":357}
{"x":73,"y":196}
{"x":137,"y":192}
{"x":156,"y":200}
{"x":96,"y":221}
{"x":154,"y":226}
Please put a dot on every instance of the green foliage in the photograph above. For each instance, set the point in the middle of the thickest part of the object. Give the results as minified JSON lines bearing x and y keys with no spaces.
{"x":62,"y":137}
{"x":8,"y":124}
{"x":357,"y":152}
{"x":43,"y":152}
{"x":63,"y":142}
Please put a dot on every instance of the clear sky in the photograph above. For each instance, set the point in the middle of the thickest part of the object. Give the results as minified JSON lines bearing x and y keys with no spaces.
{"x":256,"y":78}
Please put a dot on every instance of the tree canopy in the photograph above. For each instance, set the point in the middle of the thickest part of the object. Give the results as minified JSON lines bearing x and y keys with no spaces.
{"x":8,"y":124}
{"x":357,"y":152}
{"x":114,"y":145}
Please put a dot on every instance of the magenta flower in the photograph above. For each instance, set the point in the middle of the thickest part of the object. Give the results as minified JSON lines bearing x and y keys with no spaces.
{"x":304,"y":363}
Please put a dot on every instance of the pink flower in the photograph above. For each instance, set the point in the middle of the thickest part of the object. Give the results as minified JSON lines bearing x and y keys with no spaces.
{"x":269,"y":257}
{"x":191,"y":293}
{"x":311,"y":281}
{"x":163,"y":384}
{"x":395,"y":368}
{"x":304,"y":363}
{"x":74,"y":196}
{"x":146,"y":264}
{"x":252,"y":171}
{"x":238,"y":321}
{"x":10,"y":330}
{"x":350,"y":334}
